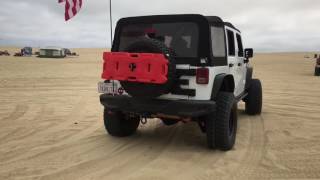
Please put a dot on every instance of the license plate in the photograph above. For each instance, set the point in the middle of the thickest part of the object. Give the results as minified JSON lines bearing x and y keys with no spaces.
{"x":107,"y":88}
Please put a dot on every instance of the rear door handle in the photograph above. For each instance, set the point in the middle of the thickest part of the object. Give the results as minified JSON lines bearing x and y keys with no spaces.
{"x":239,"y":64}
{"x":231,"y":65}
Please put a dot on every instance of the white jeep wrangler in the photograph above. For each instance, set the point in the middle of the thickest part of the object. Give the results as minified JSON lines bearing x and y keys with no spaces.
{"x":189,"y":68}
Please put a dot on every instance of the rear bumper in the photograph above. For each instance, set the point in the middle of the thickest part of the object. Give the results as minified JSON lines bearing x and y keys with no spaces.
{"x":148,"y":107}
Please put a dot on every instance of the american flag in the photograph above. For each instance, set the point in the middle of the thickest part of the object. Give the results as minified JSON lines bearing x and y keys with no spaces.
{"x":72,"y":7}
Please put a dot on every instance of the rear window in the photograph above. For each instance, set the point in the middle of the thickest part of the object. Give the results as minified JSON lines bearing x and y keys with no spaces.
{"x":218,"y":42}
{"x":231,"y":46}
{"x":240,"y":46}
{"x":181,"y":37}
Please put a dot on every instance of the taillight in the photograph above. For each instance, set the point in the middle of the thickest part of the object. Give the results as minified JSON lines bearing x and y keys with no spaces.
{"x":202,"y":76}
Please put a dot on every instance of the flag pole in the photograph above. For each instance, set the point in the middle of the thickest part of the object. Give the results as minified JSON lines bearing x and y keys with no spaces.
{"x":110,"y":15}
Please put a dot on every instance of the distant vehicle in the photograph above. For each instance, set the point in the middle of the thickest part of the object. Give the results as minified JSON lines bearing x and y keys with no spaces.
{"x":18,"y":54}
{"x":67,"y":52}
{"x":4,"y":53}
{"x":26,"y":51}
{"x":74,"y":54}
{"x":188,"y":68}
{"x":317,"y":68}
{"x":52,"y":52}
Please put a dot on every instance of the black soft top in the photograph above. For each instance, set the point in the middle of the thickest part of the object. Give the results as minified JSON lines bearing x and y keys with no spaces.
{"x":212,"y":20}
{"x":204,"y":23}
{"x":215,"y":20}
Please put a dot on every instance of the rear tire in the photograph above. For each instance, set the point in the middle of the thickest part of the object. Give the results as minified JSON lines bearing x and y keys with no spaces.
{"x":253,"y":102}
{"x":119,"y":124}
{"x":221,"y":126}
{"x":226,"y":123}
{"x":210,"y":121}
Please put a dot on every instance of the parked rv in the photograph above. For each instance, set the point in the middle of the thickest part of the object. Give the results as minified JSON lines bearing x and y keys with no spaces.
{"x":52,"y":52}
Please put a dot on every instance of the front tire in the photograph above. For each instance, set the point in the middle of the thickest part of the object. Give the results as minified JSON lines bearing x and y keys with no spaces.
{"x":253,"y":102}
{"x":119,"y":124}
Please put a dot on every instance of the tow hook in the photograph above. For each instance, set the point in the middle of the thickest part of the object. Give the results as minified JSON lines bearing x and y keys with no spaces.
{"x":144,"y":120}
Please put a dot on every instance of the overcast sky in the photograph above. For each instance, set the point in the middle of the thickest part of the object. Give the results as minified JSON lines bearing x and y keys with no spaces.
{"x":266,"y":25}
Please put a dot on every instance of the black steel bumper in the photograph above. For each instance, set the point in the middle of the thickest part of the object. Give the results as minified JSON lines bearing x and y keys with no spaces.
{"x":147,"y":107}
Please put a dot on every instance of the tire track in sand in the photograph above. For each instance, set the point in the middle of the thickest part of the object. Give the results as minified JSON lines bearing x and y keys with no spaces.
{"x":186,"y":153}
{"x":255,"y":152}
{"x":17,"y":113}
{"x":49,"y":132}
{"x":139,"y":150}
{"x":25,"y":130}
{"x":247,"y":152}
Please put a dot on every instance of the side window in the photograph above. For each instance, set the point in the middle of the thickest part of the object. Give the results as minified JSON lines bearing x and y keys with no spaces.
{"x":231,"y":46}
{"x":217,"y":42}
{"x":240,"y":46}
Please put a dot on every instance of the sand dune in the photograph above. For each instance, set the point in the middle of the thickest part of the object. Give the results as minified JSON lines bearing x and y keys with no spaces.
{"x":51,"y":127}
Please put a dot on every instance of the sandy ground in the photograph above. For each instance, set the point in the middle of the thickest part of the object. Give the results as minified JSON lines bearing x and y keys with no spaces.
{"x":51,"y":127}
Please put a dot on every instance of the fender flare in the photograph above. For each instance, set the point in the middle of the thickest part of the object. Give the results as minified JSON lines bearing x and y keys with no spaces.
{"x":222,"y":81}
{"x":248,"y":77}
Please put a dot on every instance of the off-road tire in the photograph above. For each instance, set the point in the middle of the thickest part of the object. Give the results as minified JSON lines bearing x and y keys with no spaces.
{"x":253,"y":102}
{"x":221,"y":126}
{"x":119,"y":124}
{"x":226,"y":121}
{"x":169,"y":122}
{"x":210,"y":120}
{"x":148,"y":90}
{"x":317,"y":71}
